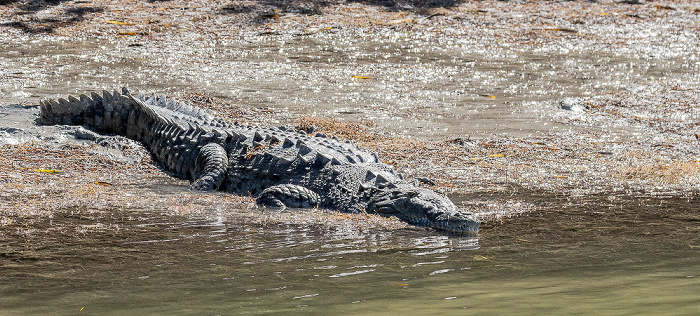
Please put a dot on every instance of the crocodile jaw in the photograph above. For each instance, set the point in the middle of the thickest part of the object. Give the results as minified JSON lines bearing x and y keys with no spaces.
{"x":423,"y":207}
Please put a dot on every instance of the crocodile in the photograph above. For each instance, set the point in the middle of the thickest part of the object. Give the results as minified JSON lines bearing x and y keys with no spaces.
{"x":279,"y":166}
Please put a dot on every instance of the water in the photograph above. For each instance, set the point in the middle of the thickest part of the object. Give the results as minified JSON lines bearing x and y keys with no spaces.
{"x":576,"y":257}
{"x":415,"y":86}
{"x":580,"y":255}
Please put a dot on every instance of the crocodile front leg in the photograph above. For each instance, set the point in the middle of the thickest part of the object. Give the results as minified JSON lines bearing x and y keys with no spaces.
{"x":210,"y":168}
{"x":289,"y":195}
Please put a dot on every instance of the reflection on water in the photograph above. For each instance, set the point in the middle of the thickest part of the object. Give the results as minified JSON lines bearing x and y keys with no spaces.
{"x":587,"y":258}
{"x":604,"y":256}
{"x":415,"y":88}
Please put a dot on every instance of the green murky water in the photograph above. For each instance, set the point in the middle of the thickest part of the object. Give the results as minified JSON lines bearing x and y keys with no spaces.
{"x":572,"y":257}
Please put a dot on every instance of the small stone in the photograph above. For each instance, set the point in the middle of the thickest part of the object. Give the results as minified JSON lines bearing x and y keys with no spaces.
{"x":573,"y":104}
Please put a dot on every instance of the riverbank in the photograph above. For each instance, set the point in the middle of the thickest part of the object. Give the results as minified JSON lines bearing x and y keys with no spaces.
{"x":488,"y":100}
{"x":47,"y":172}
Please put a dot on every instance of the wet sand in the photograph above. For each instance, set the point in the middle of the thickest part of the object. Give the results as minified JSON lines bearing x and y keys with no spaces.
{"x":630,"y":135}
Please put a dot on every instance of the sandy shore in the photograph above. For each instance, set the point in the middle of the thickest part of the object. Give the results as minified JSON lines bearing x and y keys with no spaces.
{"x":44,"y":170}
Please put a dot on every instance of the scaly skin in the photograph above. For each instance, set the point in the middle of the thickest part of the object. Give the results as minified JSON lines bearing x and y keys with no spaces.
{"x":279,"y":166}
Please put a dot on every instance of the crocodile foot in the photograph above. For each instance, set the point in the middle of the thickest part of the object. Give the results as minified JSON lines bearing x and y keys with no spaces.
{"x":288,"y":195}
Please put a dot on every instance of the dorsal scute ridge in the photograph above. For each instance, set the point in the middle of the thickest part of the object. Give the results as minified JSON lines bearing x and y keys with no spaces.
{"x":85,"y":100}
{"x":73,"y":100}
{"x":149,"y":111}
{"x":181,"y":120}
{"x":171,"y":104}
{"x":106,"y":96}
{"x":162,"y":101}
{"x":95,"y":97}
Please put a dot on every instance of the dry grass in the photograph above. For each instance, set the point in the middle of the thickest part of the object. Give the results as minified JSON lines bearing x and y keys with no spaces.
{"x":37,"y":181}
{"x":227,"y":110}
{"x":664,"y":173}
{"x":333,"y":127}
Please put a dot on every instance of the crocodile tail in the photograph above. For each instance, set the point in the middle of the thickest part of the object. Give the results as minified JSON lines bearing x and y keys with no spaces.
{"x":61,"y":111}
{"x":106,"y":113}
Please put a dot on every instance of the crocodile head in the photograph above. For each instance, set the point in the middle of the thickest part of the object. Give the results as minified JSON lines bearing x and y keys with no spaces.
{"x":423,"y":207}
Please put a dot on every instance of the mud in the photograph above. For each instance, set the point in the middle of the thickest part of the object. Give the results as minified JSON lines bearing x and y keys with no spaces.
{"x":481,"y":98}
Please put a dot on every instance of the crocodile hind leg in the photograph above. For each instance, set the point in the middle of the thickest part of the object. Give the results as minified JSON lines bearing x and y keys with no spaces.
{"x":289,"y":195}
{"x":210,"y":168}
